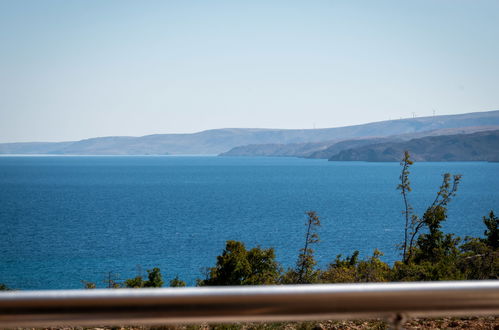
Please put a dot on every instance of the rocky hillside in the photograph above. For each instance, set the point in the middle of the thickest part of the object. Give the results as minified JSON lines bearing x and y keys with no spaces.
{"x":481,"y":146}
{"x":329,"y":149}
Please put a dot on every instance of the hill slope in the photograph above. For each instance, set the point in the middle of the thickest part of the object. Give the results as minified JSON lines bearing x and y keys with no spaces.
{"x":328,"y":149}
{"x":481,"y":146}
{"x":221,"y":140}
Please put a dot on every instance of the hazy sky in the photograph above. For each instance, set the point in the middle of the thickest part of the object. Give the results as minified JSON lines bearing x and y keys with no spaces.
{"x":77,"y":69}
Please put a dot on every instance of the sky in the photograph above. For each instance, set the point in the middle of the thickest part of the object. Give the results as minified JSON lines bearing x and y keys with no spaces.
{"x":77,"y":69}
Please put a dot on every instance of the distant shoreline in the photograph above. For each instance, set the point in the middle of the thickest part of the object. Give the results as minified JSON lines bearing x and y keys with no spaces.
{"x":229,"y":157}
{"x":83,"y":155}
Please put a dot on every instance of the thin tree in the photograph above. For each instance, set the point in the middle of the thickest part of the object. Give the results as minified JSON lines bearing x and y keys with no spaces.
{"x":405,"y":187}
{"x":437,"y":212}
{"x":434,"y":213}
{"x":306,"y":261}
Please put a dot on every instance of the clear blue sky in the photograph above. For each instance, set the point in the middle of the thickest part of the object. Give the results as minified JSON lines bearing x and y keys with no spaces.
{"x":77,"y":69}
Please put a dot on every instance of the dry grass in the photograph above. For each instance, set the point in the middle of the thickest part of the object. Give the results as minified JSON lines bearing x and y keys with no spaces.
{"x":479,"y":323}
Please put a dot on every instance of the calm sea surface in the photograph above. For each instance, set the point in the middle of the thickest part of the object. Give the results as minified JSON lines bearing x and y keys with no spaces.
{"x":68,"y":219}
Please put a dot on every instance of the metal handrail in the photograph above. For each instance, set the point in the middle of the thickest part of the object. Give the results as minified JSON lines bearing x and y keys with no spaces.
{"x":248,"y":303}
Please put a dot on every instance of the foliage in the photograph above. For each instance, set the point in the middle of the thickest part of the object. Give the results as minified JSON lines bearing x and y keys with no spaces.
{"x":351,"y":269}
{"x":264,"y":268}
{"x":435,"y":244}
{"x":155,"y":280}
{"x":432,"y":255}
{"x":439,"y":256}
{"x":89,"y":285}
{"x":341,"y":270}
{"x":136,"y":282}
{"x":306,"y":262}
{"x":304,"y":272}
{"x":480,"y":256}
{"x":3,"y":287}
{"x":478,"y":260}
{"x":405,"y":187}
{"x":402,"y":272}
{"x":177,"y":282}
{"x":492,"y":232}
{"x":238,"y":266}
{"x":373,"y":270}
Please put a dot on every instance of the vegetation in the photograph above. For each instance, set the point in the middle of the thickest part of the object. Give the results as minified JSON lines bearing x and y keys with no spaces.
{"x":490,"y":322}
{"x":177,"y":283}
{"x":155,"y":280}
{"x":492,"y":232}
{"x":238,"y":266}
{"x":405,"y":188}
{"x":89,"y":285}
{"x":305,"y":272}
{"x":351,"y":269}
{"x":306,"y":262}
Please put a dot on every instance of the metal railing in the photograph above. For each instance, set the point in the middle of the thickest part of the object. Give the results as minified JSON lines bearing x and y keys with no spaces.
{"x":253,"y":303}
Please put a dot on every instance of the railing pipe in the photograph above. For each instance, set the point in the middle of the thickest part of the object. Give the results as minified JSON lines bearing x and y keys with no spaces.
{"x":247,"y":303}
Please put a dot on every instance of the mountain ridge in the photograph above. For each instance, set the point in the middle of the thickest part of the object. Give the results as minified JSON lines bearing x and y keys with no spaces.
{"x":217,"y":141}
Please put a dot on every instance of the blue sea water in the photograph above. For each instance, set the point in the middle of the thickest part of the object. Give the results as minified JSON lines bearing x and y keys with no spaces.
{"x":68,"y":219}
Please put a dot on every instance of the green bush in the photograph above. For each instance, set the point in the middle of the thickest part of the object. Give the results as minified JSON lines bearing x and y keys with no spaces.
{"x":238,"y":266}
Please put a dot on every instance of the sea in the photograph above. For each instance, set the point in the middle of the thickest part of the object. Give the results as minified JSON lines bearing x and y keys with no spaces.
{"x":65,"y":220}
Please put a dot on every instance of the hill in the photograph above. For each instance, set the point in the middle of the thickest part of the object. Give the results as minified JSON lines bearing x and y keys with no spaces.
{"x":481,"y":146}
{"x":328,"y":149}
{"x":221,"y":140}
